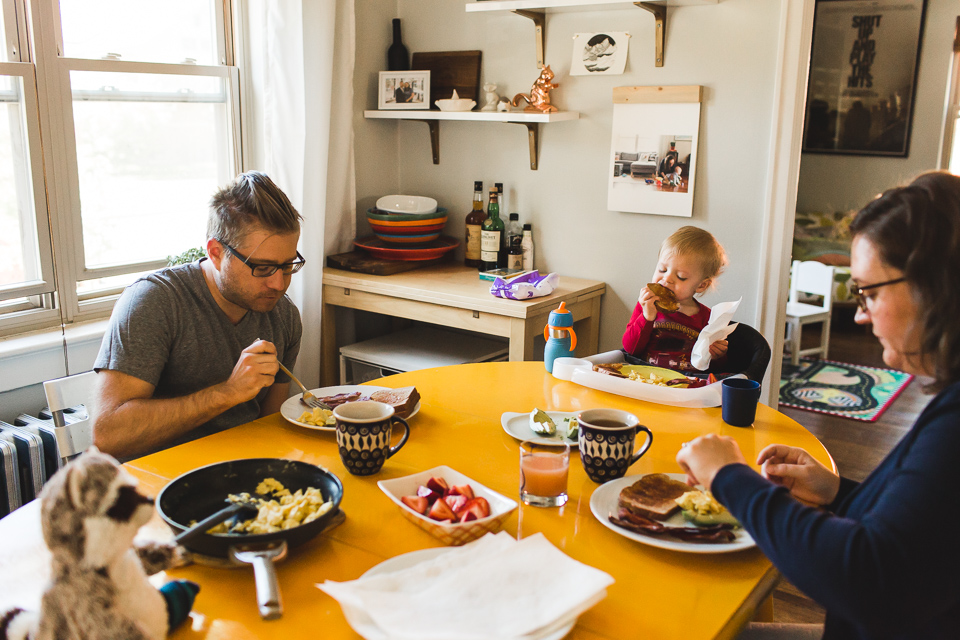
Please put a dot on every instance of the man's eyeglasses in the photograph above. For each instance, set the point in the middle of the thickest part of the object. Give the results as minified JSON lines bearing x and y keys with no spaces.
{"x":862,"y":299}
{"x":267,"y":270}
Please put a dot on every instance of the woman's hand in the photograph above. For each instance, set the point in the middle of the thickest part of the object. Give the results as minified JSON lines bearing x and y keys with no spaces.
{"x":718,"y":349}
{"x":703,"y":457}
{"x":801,"y":473}
{"x":647,"y":302}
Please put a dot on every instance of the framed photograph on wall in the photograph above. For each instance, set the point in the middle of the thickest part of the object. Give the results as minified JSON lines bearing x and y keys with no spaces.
{"x":404,"y":90}
{"x":863,"y":72}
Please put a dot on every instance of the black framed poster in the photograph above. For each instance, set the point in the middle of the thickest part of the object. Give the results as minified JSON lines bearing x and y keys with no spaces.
{"x":863,"y":76}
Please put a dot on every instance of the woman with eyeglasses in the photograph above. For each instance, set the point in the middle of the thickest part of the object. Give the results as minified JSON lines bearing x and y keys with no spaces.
{"x":881,"y":555}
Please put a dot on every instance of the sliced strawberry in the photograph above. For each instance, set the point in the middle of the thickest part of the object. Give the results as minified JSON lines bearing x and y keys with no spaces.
{"x":455,"y":502}
{"x":467,"y":516}
{"x":417,"y":503}
{"x":439,"y":485}
{"x":441,"y":511}
{"x":431,"y":495}
{"x":478,"y":506}
{"x":462,"y":490}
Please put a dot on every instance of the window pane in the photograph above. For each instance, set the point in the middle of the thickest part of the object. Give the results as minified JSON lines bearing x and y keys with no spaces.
{"x":5,"y":52}
{"x":169,"y":31}
{"x":151,"y":151}
{"x":19,"y":254}
{"x":103,"y":285}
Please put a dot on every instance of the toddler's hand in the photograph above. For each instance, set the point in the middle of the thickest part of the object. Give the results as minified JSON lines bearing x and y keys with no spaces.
{"x":719,"y":349}
{"x":648,"y":301}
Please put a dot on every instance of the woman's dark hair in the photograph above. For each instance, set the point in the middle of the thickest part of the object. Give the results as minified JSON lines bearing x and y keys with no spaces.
{"x":916,"y":229}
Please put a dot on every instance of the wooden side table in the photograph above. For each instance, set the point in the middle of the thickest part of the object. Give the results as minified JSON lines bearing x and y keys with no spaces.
{"x":454,"y":296}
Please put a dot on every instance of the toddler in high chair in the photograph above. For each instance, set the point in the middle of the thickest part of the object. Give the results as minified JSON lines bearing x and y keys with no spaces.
{"x":688,"y":263}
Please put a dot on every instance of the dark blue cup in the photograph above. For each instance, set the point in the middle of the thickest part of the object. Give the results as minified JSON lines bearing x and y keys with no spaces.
{"x":740,"y":397}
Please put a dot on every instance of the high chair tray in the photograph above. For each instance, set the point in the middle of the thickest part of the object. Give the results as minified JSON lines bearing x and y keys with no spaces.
{"x":580,"y":371}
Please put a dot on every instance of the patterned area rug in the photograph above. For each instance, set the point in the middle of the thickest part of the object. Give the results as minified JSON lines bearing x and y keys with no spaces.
{"x":846,"y":390}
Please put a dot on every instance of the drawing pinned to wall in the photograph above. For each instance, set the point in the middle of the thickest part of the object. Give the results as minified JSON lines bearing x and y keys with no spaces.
{"x":654,"y":150}
{"x":599,"y":53}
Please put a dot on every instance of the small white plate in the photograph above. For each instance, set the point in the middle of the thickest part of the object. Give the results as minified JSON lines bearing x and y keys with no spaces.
{"x":518,"y":426}
{"x":292,"y":408}
{"x":604,"y":500}
{"x":366,"y":627}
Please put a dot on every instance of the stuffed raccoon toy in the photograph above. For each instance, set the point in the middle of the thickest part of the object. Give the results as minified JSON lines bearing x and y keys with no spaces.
{"x":90,"y":512}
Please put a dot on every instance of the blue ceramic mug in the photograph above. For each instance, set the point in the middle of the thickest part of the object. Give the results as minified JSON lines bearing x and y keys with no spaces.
{"x":606,"y":440}
{"x":363,"y":435}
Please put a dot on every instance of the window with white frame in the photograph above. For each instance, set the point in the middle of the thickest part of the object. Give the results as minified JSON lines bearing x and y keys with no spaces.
{"x":118,"y":121}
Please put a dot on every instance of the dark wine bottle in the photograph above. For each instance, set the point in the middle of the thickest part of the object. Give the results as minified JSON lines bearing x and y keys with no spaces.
{"x":397,"y":57}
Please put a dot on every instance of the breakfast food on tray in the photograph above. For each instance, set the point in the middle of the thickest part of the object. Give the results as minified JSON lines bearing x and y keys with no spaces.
{"x":443,"y":503}
{"x":612,"y":369}
{"x":284,"y":511}
{"x":402,"y":400}
{"x":701,"y":508}
{"x":654,"y":496}
{"x":668,"y":299}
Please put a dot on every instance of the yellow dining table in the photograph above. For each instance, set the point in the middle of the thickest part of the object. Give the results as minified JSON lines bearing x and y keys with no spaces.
{"x":658,"y":593}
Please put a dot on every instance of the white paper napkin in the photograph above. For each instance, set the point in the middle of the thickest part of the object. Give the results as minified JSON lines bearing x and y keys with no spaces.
{"x":493,"y":588}
{"x":718,"y":328}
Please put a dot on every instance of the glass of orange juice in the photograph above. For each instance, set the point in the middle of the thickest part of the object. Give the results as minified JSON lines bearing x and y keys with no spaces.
{"x":543,"y":473}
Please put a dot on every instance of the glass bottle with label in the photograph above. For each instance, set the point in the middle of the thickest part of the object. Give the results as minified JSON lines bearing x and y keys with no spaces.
{"x":491,"y":235}
{"x":526,"y":247}
{"x":514,"y":257}
{"x":474,"y":224}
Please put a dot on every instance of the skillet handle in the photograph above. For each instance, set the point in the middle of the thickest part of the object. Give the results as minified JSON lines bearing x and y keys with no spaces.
{"x":268,"y":593}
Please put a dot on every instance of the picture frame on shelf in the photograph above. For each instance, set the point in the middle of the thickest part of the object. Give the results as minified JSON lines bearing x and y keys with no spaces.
{"x":863,"y":77}
{"x":404,"y":90}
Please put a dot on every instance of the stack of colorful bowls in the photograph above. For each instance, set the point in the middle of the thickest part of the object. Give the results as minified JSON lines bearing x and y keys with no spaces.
{"x":415,"y":221}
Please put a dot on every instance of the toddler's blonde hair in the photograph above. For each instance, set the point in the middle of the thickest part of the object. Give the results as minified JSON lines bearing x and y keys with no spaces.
{"x":695,"y":241}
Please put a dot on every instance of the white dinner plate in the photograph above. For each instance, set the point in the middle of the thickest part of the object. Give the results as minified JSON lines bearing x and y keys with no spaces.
{"x":518,"y":426}
{"x":366,"y":627}
{"x":604,"y":500}
{"x":292,"y":408}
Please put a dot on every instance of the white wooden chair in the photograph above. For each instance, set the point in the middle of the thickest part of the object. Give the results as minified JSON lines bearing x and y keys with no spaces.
{"x":812,"y":278}
{"x":74,"y":437}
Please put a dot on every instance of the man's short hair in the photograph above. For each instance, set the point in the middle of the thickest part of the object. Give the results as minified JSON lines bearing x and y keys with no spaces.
{"x":250,"y":202}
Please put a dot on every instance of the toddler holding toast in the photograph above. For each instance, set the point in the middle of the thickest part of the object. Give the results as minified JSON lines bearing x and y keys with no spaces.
{"x":667,"y":319}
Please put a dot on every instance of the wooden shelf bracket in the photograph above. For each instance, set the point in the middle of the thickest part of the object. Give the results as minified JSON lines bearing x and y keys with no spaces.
{"x":434,"y":138}
{"x":539,"y":20}
{"x":659,"y":12}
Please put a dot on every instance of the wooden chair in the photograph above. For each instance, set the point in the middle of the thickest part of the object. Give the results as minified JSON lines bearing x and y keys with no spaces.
{"x":813,"y":278}
{"x":73,"y":436}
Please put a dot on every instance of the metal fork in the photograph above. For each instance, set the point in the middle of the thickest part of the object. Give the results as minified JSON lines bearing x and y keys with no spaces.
{"x":308,"y":398}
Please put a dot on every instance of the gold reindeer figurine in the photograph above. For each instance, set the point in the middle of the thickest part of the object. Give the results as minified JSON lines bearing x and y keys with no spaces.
{"x":539,"y":98}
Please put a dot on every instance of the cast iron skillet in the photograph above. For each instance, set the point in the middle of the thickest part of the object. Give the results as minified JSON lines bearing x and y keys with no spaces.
{"x":196,"y":494}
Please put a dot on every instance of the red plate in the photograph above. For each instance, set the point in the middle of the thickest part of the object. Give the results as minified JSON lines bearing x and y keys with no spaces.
{"x":390,"y":251}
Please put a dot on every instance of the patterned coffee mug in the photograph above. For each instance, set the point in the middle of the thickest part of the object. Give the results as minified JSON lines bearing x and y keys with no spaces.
{"x":363,"y":435}
{"x":606,"y":440}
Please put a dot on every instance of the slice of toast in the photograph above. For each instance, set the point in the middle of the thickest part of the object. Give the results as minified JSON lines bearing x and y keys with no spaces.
{"x":653,"y":496}
{"x":403,"y":400}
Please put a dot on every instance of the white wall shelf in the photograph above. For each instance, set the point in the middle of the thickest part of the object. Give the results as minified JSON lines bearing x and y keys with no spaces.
{"x":536,"y":10}
{"x":432,"y":118}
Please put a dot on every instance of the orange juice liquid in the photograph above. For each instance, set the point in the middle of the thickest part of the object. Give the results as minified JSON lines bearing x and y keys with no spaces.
{"x":545,"y":474}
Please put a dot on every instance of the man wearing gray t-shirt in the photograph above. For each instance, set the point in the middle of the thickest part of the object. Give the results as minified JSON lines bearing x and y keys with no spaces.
{"x":194,"y":349}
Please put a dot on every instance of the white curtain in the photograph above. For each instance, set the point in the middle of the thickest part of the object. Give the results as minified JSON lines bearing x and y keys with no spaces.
{"x":298,"y":121}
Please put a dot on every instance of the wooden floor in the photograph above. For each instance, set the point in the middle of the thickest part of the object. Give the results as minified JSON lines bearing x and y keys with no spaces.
{"x":857,"y":447}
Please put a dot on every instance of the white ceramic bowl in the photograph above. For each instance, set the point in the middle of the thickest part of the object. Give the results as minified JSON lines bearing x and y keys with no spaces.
{"x":450,"y":534}
{"x":460,"y":104}
{"x":407,"y":204}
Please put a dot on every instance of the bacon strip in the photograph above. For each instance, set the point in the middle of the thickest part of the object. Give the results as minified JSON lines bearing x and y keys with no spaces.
{"x":340,"y":398}
{"x":713,"y":534}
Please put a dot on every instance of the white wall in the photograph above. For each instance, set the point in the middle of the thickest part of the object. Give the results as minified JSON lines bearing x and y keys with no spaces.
{"x":730,"y":48}
{"x":840,"y":183}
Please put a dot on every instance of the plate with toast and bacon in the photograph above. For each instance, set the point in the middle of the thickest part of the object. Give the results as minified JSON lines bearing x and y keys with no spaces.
{"x":405,"y":402}
{"x":646,"y":509}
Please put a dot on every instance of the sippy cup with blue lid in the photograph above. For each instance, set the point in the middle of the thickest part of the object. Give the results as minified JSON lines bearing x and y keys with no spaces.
{"x":560,"y":337}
